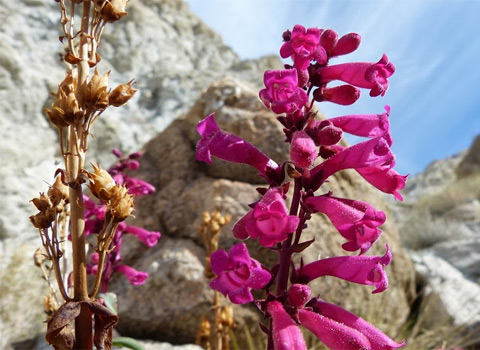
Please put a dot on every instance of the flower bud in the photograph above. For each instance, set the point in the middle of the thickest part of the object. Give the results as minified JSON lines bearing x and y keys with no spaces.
{"x":121,"y":94}
{"x":298,"y":295}
{"x":112,"y":10}
{"x":303,"y":151}
{"x":101,"y":183}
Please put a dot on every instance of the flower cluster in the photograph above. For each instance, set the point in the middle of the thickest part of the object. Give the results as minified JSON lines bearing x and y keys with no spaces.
{"x":95,"y":218}
{"x":315,"y":155}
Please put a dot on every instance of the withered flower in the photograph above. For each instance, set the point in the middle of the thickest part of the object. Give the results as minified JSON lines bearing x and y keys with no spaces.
{"x":43,"y":219}
{"x":121,"y":94}
{"x":112,"y":10}
{"x":64,"y":110}
{"x":101,"y":183}
{"x":42,"y":203}
{"x":95,"y":93}
{"x":121,"y":203}
{"x":58,"y":192}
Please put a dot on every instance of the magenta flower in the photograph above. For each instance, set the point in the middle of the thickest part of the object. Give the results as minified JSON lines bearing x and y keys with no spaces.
{"x":355,"y":220}
{"x":343,"y":95}
{"x":361,"y":269}
{"x":366,"y":125}
{"x":135,"y":277}
{"x":282,"y":93}
{"x":335,"y":335}
{"x":237,"y":273}
{"x":374,"y":152}
{"x":138,"y":187}
{"x":304,"y":46}
{"x":345,"y":45}
{"x":150,"y":238}
{"x":285,"y":332}
{"x":373,"y":76}
{"x":268,"y":220}
{"x":377,"y":339}
{"x":303,"y":150}
{"x":229,"y":147}
{"x":386,"y":180}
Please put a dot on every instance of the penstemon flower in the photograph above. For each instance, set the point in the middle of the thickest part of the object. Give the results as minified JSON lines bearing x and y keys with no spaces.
{"x":315,"y":155}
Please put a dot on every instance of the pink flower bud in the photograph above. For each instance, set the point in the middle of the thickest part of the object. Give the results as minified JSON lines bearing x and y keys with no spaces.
{"x":346,"y":44}
{"x":298,"y":295}
{"x":303,"y":150}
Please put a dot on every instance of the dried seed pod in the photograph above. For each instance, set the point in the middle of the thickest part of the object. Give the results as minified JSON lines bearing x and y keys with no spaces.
{"x":121,"y":94}
{"x":112,"y":10}
{"x":101,"y":183}
{"x":39,"y":257}
{"x":42,"y":203}
{"x":58,"y":192}
{"x":95,"y":93}
{"x":121,"y":203}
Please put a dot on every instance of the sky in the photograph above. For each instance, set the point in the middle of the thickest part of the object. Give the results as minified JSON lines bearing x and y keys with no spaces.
{"x":434,"y":94}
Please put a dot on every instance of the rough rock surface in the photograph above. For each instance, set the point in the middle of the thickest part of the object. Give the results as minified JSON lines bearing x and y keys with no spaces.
{"x":186,"y":188}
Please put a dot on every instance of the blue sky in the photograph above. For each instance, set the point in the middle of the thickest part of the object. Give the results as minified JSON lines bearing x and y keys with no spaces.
{"x":434,"y":44}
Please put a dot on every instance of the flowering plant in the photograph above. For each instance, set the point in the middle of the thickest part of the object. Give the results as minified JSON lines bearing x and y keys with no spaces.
{"x":315,"y":155}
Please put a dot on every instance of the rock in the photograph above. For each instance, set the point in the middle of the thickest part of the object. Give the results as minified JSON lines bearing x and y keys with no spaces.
{"x":448,"y":297}
{"x":470,"y":163}
{"x":186,"y":188}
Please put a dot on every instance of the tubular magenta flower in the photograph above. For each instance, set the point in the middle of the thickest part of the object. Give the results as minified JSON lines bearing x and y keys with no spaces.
{"x":377,"y":339}
{"x":335,"y":335}
{"x":237,"y":273}
{"x":374,"y":152}
{"x":386,"y":180}
{"x":135,"y":277}
{"x":355,"y":220}
{"x":304,"y":47}
{"x":361,"y":269}
{"x":268,"y":220}
{"x":285,"y":332}
{"x":282,"y":93}
{"x":229,"y":147}
{"x":366,"y":125}
{"x":373,"y":76}
{"x":150,"y":238}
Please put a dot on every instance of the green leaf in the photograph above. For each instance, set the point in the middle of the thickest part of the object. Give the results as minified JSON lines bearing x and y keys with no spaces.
{"x":126,"y":342}
{"x":110,"y":300}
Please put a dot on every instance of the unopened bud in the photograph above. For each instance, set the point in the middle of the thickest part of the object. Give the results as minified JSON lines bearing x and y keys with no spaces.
{"x":303,"y":151}
{"x":113,"y":10}
{"x":121,"y":94}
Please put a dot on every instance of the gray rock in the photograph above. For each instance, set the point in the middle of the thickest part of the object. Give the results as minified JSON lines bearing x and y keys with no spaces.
{"x":448,"y":297}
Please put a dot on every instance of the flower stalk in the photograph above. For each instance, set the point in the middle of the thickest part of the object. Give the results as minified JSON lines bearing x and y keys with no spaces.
{"x":315,"y":155}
